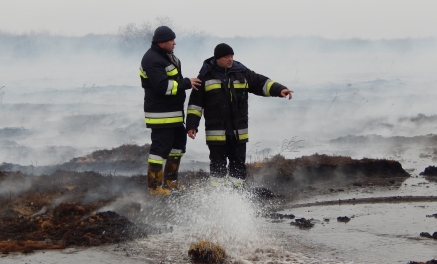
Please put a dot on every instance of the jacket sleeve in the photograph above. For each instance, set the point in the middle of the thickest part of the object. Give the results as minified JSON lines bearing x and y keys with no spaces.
{"x":195,"y":107}
{"x":262,"y":85}
{"x":157,"y":74}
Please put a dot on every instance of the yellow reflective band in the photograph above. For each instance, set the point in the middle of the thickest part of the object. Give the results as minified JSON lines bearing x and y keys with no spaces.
{"x":174,"y":90}
{"x":168,"y":120}
{"x":243,"y":136}
{"x":216,"y":138}
{"x":195,"y":112}
{"x":213,"y":86}
{"x":142,"y":74}
{"x":172,"y":72}
{"x":155,"y":161}
{"x":175,"y":154}
{"x":269,"y":85}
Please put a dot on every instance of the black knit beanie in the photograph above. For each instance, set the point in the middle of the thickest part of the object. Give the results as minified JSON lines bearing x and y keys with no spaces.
{"x":222,"y":50}
{"x":163,"y":34}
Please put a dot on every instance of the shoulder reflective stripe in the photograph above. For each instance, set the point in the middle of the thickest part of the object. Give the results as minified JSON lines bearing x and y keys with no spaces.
{"x":267,"y":86}
{"x":171,"y":70}
{"x":172,"y":87}
{"x":142,"y":72}
{"x":213,"y":84}
{"x":176,"y":153}
{"x":155,"y":159}
{"x":167,"y":120}
{"x":215,"y":138}
{"x":163,"y":114}
{"x":194,"y":112}
{"x":215,"y":132}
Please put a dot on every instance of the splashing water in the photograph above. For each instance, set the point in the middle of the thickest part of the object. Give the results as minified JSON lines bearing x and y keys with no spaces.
{"x":218,"y":214}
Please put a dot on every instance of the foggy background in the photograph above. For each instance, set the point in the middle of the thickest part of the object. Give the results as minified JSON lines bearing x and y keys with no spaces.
{"x":66,"y":96}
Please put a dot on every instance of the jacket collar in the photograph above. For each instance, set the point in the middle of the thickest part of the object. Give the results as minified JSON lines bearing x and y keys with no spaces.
{"x":211,"y":65}
{"x":158,"y":49}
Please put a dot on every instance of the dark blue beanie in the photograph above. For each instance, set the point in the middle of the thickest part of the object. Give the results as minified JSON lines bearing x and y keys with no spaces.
{"x":163,"y":34}
{"x":222,"y":50}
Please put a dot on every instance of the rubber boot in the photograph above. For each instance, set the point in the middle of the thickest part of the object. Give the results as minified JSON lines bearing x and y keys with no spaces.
{"x":171,"y":171}
{"x":154,"y":180}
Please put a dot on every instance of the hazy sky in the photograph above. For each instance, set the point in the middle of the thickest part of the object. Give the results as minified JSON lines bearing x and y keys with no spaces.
{"x":368,"y":19}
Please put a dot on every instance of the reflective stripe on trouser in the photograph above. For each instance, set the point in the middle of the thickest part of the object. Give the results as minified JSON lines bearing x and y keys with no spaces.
{"x":155,"y":159}
{"x":164,"y":118}
{"x":232,"y":150}
{"x":220,"y":135}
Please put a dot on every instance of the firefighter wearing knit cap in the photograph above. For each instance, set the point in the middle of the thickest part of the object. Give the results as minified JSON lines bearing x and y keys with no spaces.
{"x":164,"y":97}
{"x":222,"y":99}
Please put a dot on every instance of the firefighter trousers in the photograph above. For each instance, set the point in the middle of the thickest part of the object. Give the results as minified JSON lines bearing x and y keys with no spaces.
{"x":232,"y":150}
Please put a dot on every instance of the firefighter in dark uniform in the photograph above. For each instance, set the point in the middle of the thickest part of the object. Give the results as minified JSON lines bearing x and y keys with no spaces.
{"x":223,"y":100}
{"x":164,"y":88}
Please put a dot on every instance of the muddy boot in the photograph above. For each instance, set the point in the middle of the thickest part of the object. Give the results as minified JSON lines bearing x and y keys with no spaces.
{"x":171,"y":173}
{"x":154,"y":180}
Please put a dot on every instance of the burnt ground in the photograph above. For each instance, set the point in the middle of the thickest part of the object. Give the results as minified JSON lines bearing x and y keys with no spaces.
{"x":66,"y":208}
{"x":62,"y":209}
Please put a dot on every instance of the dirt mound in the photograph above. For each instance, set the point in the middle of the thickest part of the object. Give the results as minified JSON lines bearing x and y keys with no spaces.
{"x":377,"y":140}
{"x":430,"y":173}
{"x":323,"y":167}
{"x":123,"y":158}
{"x":126,"y":159}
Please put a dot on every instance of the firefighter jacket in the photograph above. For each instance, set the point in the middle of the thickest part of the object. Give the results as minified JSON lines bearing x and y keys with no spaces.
{"x":164,"y":88}
{"x":223,"y":100}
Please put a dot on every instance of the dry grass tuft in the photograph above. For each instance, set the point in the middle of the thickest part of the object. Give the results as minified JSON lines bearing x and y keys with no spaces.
{"x":206,"y":252}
